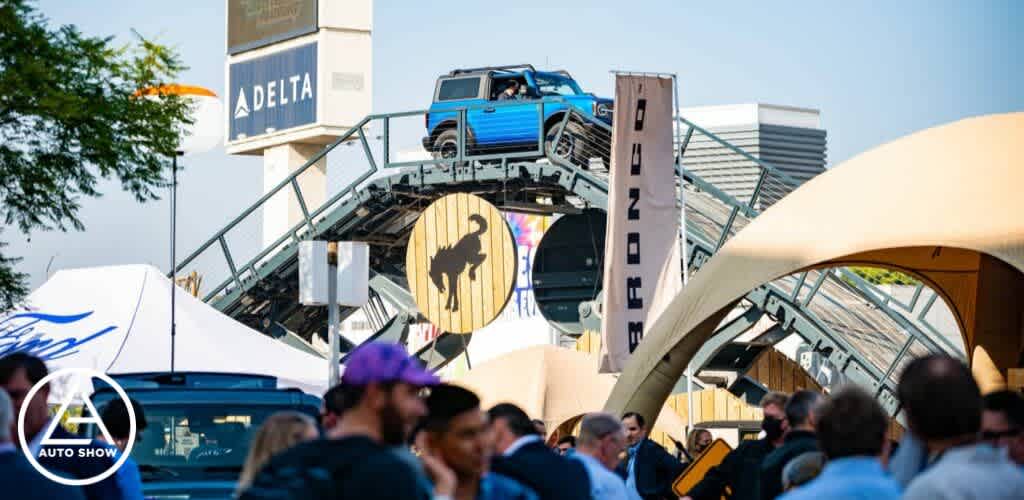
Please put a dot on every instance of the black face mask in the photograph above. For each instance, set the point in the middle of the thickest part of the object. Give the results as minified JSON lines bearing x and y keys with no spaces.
{"x":772,"y":427}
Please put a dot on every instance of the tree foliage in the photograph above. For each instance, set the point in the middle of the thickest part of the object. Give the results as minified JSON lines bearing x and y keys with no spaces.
{"x":70,"y":116}
{"x":879,"y":276}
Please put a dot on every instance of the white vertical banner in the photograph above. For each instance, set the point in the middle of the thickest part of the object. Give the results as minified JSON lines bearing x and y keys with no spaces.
{"x":641,"y":248}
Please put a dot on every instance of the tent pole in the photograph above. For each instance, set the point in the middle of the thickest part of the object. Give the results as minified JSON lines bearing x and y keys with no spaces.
{"x":174,"y":228}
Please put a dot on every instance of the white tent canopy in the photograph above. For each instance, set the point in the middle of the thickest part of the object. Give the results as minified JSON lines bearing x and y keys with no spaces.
{"x":117,"y":320}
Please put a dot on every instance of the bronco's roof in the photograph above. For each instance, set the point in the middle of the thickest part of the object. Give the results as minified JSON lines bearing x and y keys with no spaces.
{"x":508,"y":68}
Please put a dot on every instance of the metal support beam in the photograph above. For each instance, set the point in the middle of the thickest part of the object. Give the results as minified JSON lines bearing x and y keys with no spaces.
{"x":724,"y":335}
{"x":394,"y":293}
{"x":443,"y":350}
{"x":847,"y":359}
{"x":395,"y":331}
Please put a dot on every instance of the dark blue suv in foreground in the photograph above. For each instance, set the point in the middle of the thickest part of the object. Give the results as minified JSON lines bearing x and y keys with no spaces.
{"x":200,"y":427}
{"x":498,"y":123}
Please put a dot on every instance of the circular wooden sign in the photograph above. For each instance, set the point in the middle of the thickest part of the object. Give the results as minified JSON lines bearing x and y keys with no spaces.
{"x":461,"y":263}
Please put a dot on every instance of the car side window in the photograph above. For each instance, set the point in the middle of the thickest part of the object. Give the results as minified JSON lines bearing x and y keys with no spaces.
{"x":499,"y":85}
{"x":459,"y":88}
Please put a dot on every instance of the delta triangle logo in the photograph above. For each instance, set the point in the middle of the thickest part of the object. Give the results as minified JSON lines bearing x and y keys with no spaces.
{"x":241,"y":106}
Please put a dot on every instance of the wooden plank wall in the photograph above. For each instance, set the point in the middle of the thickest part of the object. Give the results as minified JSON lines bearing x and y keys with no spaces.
{"x":589,"y":342}
{"x":777,"y":372}
{"x":714,"y":405}
{"x":772,"y":369}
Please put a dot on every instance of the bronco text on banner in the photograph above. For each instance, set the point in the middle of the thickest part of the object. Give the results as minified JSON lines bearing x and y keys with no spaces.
{"x":641,"y":247}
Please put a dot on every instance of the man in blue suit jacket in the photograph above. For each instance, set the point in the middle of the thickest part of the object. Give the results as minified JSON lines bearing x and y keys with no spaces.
{"x":19,"y":372}
{"x":648,"y":469}
{"x":525,"y":458}
{"x":17,"y":476}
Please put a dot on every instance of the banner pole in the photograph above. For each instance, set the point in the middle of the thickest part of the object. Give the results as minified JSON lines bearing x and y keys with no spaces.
{"x":682,"y":191}
{"x":689,"y":402}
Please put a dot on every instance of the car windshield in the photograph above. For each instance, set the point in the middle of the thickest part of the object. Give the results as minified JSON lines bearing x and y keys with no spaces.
{"x":194,"y":442}
{"x":556,"y":85}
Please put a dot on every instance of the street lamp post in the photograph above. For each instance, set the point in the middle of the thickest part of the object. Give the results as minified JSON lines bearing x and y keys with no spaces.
{"x":203,"y":134}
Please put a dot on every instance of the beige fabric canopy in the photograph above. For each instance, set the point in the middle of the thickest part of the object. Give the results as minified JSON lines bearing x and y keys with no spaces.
{"x":944,"y":204}
{"x":553,"y":384}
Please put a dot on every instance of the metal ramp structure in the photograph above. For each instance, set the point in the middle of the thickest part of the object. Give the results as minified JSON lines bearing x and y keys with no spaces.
{"x":379,"y":181}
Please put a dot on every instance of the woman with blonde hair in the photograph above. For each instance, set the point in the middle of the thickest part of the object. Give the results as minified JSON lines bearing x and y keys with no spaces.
{"x":698,"y":441}
{"x":280,"y":431}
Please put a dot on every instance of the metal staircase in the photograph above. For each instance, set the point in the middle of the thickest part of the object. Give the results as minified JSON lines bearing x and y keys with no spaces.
{"x":376,"y":195}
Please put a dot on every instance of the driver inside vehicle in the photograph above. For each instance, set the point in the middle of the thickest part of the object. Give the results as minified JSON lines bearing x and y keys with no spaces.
{"x":216,"y":443}
{"x":510,"y":92}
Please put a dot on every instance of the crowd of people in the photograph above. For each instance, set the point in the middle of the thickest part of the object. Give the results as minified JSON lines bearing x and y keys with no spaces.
{"x":958,"y":444}
{"x":391,"y":430}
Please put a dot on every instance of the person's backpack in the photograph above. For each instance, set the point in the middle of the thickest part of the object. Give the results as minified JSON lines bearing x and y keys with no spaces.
{"x":302,"y":476}
{"x":300,"y":481}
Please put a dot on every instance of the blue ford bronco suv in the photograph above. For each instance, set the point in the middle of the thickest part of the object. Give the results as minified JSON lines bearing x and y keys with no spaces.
{"x":502,"y":104}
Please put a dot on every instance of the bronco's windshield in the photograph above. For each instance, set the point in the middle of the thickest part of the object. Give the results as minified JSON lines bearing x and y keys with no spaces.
{"x":556,"y":85}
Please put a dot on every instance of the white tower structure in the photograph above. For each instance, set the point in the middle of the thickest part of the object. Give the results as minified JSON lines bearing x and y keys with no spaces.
{"x":790,"y":139}
{"x":299,"y":74}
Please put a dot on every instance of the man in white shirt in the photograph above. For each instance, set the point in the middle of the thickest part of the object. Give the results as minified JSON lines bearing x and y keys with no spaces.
{"x":602,"y":439}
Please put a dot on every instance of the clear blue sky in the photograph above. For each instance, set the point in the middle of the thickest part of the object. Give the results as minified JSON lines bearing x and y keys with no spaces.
{"x":877,"y":70}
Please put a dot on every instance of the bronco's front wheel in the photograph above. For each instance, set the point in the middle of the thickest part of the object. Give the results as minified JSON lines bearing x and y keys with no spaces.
{"x":571,"y":146}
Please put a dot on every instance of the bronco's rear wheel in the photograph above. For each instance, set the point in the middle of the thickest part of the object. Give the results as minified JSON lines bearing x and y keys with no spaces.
{"x":446,"y":145}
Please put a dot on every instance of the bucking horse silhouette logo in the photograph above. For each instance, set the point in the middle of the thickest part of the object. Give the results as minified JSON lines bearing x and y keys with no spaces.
{"x":452,"y":261}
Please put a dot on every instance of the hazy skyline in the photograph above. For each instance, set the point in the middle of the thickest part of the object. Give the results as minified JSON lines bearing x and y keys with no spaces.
{"x":876,"y":70}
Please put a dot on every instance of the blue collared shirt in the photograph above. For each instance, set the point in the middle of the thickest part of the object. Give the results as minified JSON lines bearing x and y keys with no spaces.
{"x":849,"y":477}
{"x":497,"y":487}
{"x":604,"y":484}
{"x":631,"y":489}
{"x":128,"y":478}
{"x":972,"y":471}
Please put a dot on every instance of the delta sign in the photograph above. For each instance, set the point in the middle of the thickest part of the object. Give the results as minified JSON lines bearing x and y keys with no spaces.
{"x":272,"y":93}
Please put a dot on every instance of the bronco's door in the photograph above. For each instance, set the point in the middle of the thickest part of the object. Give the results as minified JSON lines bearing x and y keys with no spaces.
{"x":502,"y":126}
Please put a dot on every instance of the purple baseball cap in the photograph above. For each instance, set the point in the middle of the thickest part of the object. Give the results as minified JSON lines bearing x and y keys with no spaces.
{"x":385,"y":362}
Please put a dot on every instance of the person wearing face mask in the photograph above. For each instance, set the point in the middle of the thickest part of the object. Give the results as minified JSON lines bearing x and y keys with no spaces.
{"x":801,"y":415}
{"x":740,"y":470}
{"x":697,"y":442}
